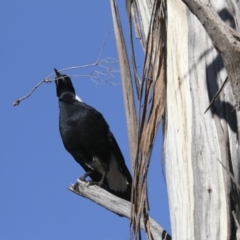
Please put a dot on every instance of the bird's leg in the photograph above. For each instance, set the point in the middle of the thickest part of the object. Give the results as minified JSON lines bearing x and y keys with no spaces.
{"x":83,"y":178}
{"x":103,"y":178}
{"x":100,"y":183}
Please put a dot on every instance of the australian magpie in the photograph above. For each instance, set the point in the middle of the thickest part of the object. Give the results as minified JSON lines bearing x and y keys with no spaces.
{"x":86,"y":136}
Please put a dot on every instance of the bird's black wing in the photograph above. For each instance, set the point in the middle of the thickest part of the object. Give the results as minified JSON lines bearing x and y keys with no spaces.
{"x":122,"y":169}
{"x":117,"y":152}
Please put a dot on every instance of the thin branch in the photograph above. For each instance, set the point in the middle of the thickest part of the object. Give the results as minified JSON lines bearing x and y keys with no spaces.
{"x":230,"y":175}
{"x":95,"y":75}
{"x":116,"y":205}
{"x":104,"y":42}
{"x":217,"y":94}
{"x":46,"y":80}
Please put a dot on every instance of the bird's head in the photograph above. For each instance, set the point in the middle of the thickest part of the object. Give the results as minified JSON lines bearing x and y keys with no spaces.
{"x":63,"y":84}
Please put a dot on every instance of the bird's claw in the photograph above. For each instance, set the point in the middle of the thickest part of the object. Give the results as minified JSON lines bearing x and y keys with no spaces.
{"x":91,"y":183}
{"x":75,"y":187}
{"x":82,"y":179}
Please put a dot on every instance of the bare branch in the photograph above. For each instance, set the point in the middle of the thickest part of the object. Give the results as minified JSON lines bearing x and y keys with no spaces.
{"x":217,"y":94}
{"x":116,"y":205}
{"x":46,"y":80}
{"x":106,"y":64}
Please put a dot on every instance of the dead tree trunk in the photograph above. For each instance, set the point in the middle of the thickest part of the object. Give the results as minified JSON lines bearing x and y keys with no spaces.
{"x":201,"y":195}
{"x":201,"y":150}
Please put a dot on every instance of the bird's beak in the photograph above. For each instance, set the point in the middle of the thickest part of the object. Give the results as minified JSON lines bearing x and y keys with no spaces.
{"x":58,"y":74}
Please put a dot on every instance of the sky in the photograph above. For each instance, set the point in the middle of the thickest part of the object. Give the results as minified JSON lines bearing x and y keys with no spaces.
{"x":35,"y":169}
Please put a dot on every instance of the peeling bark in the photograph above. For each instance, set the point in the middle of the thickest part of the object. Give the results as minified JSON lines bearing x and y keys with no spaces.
{"x":225,"y":40}
{"x":200,"y":191}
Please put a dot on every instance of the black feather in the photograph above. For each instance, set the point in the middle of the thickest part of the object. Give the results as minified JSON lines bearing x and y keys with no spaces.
{"x":86,"y":136}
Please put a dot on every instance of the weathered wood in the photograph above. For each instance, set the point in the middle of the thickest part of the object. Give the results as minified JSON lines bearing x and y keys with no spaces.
{"x":199,"y":188}
{"x":152,"y":102}
{"x":237,"y":224}
{"x":116,"y":205}
{"x":224,"y":41}
{"x":127,"y":85}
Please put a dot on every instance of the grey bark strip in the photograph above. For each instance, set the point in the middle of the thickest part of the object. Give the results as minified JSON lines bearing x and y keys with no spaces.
{"x":128,"y":93}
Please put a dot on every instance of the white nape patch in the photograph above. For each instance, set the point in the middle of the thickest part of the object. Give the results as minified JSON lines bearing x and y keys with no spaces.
{"x":115,"y":179}
{"x":78,"y":98}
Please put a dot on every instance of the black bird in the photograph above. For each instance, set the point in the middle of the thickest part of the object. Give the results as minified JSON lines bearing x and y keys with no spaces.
{"x":86,"y":136}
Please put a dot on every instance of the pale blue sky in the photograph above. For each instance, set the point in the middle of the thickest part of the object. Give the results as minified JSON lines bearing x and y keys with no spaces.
{"x":35,"y":169}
